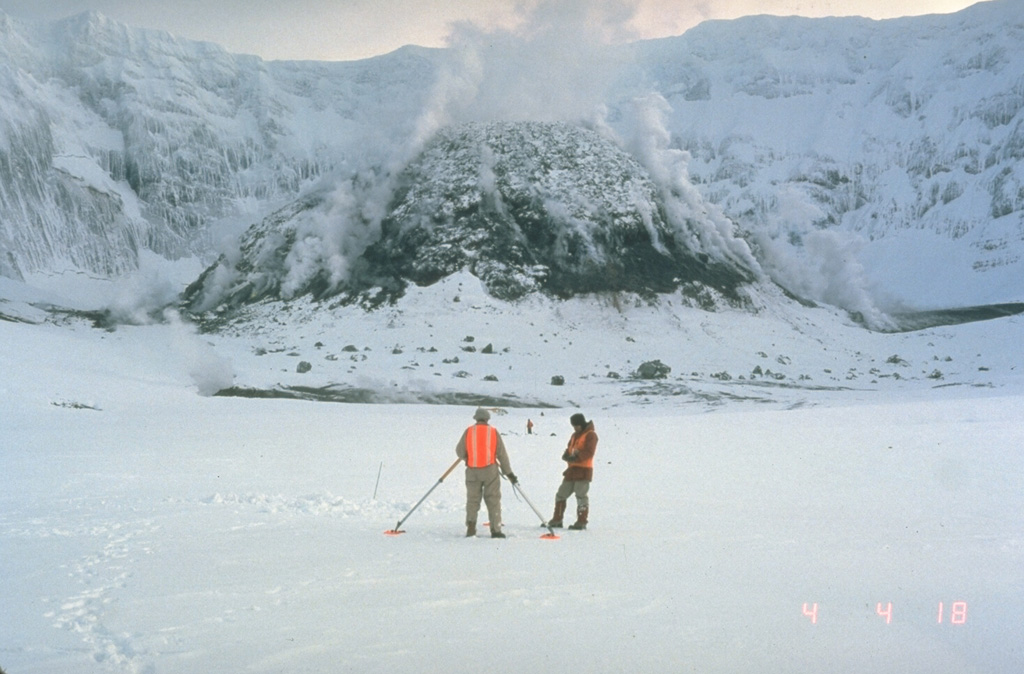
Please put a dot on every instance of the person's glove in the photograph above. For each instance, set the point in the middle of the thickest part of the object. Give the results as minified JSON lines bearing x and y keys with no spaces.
{"x":565,"y":456}
{"x":512,"y":478}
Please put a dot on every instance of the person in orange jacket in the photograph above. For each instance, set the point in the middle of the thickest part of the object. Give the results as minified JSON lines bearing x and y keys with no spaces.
{"x":577,"y":476}
{"x":483,"y":450}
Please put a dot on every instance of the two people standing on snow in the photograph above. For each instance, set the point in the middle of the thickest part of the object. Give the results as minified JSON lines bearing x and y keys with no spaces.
{"x":579,"y":454}
{"x":483,"y":450}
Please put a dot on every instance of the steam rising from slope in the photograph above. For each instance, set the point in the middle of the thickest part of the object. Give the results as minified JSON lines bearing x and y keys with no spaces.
{"x":556,"y":66}
{"x":559,"y":65}
{"x":818,"y":264}
{"x":708,"y":228}
{"x":209,"y":371}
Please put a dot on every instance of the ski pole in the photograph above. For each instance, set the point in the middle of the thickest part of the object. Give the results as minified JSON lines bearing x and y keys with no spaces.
{"x":551,"y":532}
{"x":378,"y":480}
{"x":397,"y":529}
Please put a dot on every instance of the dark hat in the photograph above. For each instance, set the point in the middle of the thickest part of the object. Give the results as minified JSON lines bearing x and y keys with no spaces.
{"x":481,"y":414}
{"x":578,"y":420}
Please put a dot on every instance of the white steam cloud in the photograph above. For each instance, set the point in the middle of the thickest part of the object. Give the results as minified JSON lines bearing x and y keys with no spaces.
{"x":818,"y":264}
{"x":330,"y":236}
{"x":704,"y":224}
{"x":208,"y":371}
{"x":557,"y":65}
{"x":137,"y":295}
{"x":139,"y":298}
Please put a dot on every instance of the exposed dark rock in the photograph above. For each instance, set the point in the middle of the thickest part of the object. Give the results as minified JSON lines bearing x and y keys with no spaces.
{"x":652,"y":369}
{"x":349,"y":394}
{"x":537,"y":207}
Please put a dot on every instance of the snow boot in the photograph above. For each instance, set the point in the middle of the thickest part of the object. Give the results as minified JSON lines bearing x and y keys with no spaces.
{"x":470,"y":529}
{"x":581,"y":519}
{"x":497,"y":533}
{"x":556,"y":519}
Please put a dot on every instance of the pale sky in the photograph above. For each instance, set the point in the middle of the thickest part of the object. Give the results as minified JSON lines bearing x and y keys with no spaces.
{"x":341,"y":30}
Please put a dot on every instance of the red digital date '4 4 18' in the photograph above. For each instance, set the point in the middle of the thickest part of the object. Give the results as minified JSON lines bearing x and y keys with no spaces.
{"x":956,"y":615}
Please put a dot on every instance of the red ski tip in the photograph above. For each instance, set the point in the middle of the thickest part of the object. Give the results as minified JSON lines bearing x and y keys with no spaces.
{"x":393,"y":532}
{"x":551,"y":537}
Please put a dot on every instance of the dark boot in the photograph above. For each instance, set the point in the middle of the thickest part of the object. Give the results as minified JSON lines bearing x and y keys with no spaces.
{"x":581,"y":519}
{"x":556,"y":519}
{"x":470,"y":529}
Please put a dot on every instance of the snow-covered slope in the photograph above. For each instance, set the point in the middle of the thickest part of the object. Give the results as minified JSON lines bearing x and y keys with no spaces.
{"x":116,"y":139}
{"x":853,"y":156}
{"x":758,"y":509}
{"x":895,"y":144}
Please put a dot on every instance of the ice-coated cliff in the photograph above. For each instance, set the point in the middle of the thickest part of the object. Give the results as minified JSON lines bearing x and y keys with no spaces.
{"x":840,"y":157}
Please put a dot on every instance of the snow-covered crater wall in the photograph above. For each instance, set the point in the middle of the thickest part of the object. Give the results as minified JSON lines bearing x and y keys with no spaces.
{"x":852,"y":156}
{"x":896,"y":142}
{"x":115,"y":139}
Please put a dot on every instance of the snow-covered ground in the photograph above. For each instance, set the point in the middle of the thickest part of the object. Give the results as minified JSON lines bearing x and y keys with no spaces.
{"x":798,"y":494}
{"x":738,"y":524}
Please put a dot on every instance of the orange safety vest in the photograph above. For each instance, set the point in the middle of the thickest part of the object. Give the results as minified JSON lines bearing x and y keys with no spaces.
{"x":576,"y":443}
{"x":481,"y":445}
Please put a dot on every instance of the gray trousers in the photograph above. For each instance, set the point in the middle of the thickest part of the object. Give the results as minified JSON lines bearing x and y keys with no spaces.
{"x":578,"y":487}
{"x":486,"y":483}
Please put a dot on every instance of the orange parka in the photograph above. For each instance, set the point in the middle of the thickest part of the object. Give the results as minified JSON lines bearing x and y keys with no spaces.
{"x":580,"y":454}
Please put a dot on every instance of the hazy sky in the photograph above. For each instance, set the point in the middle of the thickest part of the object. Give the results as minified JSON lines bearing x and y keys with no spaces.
{"x":331,"y":30}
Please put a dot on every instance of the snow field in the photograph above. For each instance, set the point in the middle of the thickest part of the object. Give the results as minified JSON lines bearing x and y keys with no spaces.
{"x":860,"y":512}
{"x":166,"y":531}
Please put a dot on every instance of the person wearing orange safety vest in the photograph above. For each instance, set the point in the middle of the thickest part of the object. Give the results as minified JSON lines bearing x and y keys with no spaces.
{"x":483,"y":450}
{"x":577,"y":476}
